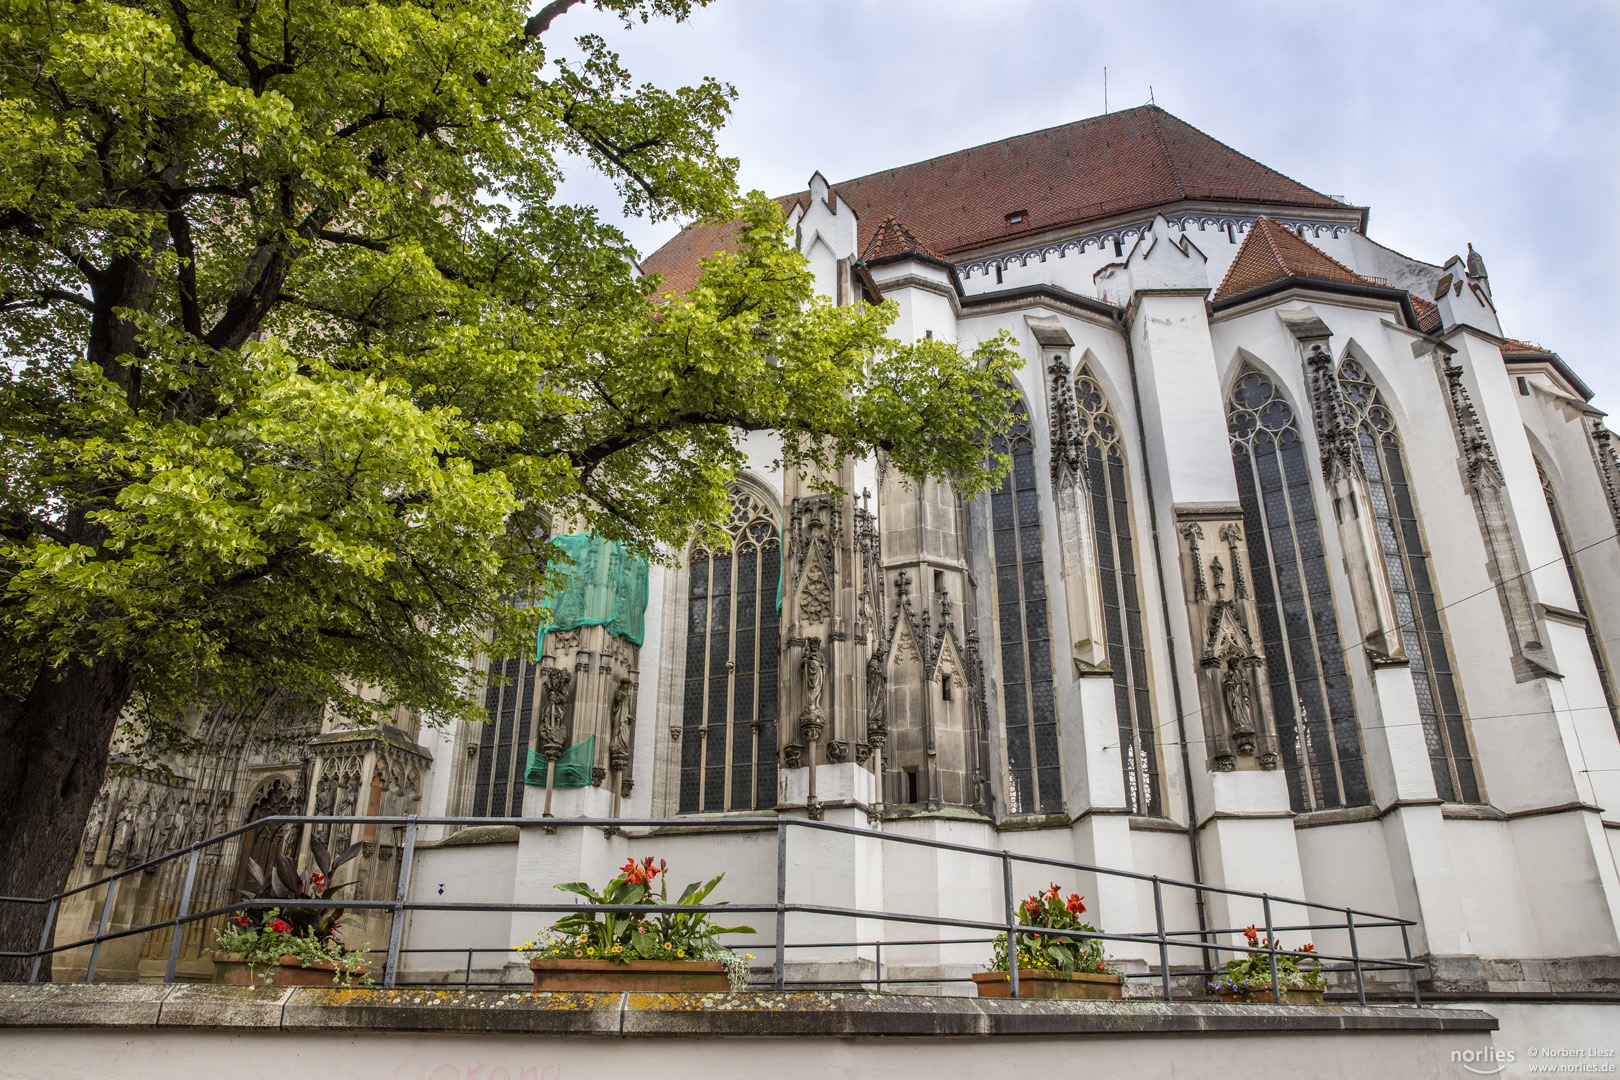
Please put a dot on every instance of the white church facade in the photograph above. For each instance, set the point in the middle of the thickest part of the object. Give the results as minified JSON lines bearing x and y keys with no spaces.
{"x":1303,"y":581}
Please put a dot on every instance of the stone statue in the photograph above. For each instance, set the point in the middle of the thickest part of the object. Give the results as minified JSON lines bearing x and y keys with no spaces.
{"x":552,"y":732}
{"x":877,"y":705}
{"x":93,"y":827}
{"x":619,"y":738}
{"x":1239,"y":710}
{"x":1476,"y":264}
{"x":814,"y":714}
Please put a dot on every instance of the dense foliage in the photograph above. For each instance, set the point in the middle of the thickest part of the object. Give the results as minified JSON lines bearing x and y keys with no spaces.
{"x":1250,"y":974}
{"x":304,"y":356}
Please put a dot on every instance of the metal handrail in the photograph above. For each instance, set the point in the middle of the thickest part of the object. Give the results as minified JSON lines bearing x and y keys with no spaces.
{"x":401,"y":905}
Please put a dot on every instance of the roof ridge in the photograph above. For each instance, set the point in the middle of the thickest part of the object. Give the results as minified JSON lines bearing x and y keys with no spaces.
{"x":1169,"y":162}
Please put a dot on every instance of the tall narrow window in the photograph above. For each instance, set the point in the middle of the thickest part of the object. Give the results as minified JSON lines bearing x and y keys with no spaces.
{"x":1122,"y":608}
{"x":504,"y":742}
{"x":1025,"y":631}
{"x":1580,"y":595}
{"x":728,"y":718}
{"x":1310,"y":689}
{"x":1406,"y":559}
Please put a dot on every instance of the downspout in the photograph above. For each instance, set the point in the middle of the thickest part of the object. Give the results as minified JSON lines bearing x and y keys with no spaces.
{"x":1170,"y":645}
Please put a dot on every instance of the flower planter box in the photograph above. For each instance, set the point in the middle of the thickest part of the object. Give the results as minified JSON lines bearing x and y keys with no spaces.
{"x":1040,"y":983}
{"x":1263,"y":997}
{"x":232,"y":970}
{"x":641,"y":976}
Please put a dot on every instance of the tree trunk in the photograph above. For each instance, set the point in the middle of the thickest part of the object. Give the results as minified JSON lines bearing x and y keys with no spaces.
{"x":56,"y":741}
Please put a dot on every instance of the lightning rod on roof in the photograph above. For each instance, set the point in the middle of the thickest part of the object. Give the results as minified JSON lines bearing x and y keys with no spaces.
{"x":1150,"y":93}
{"x":1105,"y":90}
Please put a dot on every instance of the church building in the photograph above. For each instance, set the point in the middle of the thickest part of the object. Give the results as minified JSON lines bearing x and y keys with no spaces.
{"x":1303,"y":580}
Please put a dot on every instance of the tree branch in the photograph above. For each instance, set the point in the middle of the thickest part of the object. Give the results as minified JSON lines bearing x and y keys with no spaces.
{"x":541,"y":21}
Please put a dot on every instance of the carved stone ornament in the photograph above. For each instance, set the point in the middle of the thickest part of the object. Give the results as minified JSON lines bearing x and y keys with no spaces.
{"x":793,"y":756}
{"x":837,"y":752}
{"x":619,"y":739}
{"x":1232,"y":683}
{"x":863,"y":753}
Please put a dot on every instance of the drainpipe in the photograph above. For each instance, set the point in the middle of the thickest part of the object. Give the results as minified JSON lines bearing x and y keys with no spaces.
{"x":1170,"y":643}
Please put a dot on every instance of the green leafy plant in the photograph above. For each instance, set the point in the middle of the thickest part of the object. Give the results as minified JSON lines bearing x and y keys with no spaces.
{"x":624,"y":937}
{"x":1049,"y":909}
{"x":1250,"y":974}
{"x":308,"y":931}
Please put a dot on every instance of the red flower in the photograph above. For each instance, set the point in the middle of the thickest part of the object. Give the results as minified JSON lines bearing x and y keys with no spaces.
{"x":242,"y":920}
{"x":1052,"y":890}
{"x":1253,"y":935}
{"x":280,"y":926}
{"x":1307,"y":947}
{"x":1076,"y":904}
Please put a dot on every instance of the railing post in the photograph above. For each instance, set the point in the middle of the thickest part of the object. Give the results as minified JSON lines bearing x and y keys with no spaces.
{"x":880,"y":967}
{"x":781,"y":904}
{"x":1164,"y":945}
{"x":1406,"y":944}
{"x":45,"y":937}
{"x":180,"y":914}
{"x":1271,"y":936}
{"x":1012,"y":924}
{"x":466,"y":981}
{"x":106,"y":917}
{"x":1355,"y":955}
{"x":397,"y":930}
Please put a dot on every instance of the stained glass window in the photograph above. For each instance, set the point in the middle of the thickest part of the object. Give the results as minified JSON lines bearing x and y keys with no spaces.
{"x":1417,"y":610}
{"x":1122,"y":608}
{"x":728,"y":707}
{"x":1580,"y":595}
{"x":1024,"y":630}
{"x":504,"y":742}
{"x":1310,"y":689}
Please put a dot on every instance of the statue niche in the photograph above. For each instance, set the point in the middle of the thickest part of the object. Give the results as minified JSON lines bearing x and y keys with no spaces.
{"x":1232,"y":679}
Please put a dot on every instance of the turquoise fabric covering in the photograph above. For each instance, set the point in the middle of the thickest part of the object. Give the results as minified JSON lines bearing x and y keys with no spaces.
{"x":573,"y":767}
{"x":606,"y":586}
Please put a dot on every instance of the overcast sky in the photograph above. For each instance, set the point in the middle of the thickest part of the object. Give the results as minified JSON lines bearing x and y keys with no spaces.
{"x":1484,"y":121}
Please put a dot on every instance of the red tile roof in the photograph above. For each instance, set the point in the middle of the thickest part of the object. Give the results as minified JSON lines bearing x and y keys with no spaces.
{"x":1271,"y":252}
{"x":1120,"y":163}
{"x":1511,"y":345}
{"x":891,"y":239}
{"x":1428,"y":314}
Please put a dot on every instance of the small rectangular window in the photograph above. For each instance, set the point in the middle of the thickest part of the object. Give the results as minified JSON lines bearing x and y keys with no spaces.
{"x":945,"y":688}
{"x":911,"y":785}
{"x":928,"y":335}
{"x":1524,"y":387}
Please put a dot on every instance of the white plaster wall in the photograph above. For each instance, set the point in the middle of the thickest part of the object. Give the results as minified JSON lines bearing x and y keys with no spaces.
{"x":475,"y":873}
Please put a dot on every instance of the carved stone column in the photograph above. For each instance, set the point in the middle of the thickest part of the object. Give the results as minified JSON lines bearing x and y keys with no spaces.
{"x":1370,"y":591}
{"x":1239,"y":727}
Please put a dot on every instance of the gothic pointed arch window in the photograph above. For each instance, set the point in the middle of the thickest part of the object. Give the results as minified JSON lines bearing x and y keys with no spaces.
{"x":1581,"y":604}
{"x":1104,"y":463}
{"x":729,"y":703}
{"x":1310,"y":688}
{"x":1024,"y":628}
{"x":1406,"y":560}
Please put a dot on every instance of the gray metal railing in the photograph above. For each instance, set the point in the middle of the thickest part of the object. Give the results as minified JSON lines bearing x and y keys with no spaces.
{"x":1351,"y":921}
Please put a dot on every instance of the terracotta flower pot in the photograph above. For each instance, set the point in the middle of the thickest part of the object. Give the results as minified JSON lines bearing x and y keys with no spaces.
{"x":1262,"y":996}
{"x":1040,"y":983}
{"x":642,"y":976}
{"x":232,"y":969}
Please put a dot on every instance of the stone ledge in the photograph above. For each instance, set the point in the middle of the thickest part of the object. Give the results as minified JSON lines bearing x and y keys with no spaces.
{"x":672,"y":1015}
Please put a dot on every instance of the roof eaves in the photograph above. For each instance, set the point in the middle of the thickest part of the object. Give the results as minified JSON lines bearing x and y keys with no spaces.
{"x":1342,"y":288}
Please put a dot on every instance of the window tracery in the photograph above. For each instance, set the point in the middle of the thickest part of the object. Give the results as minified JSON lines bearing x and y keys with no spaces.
{"x":1103,"y":460}
{"x":1024,"y":625}
{"x":728,"y":756}
{"x":1310,"y":688}
{"x":1417,"y":607}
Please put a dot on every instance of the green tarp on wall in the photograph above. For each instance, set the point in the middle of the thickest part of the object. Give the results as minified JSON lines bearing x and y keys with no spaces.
{"x":606,"y":586}
{"x":573,"y":767}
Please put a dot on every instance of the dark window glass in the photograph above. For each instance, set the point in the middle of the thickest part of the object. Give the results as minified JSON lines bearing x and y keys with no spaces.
{"x":728,"y":718}
{"x":1406,"y":560}
{"x":1122,"y":608}
{"x":503,"y":744}
{"x":1036,"y":785}
{"x":1310,"y":688}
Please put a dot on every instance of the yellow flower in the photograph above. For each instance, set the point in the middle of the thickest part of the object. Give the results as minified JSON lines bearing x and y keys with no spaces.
{"x":590,"y":952}
{"x":680,"y":952}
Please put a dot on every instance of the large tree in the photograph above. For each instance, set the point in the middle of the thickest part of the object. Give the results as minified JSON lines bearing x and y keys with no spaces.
{"x":302,"y":355}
